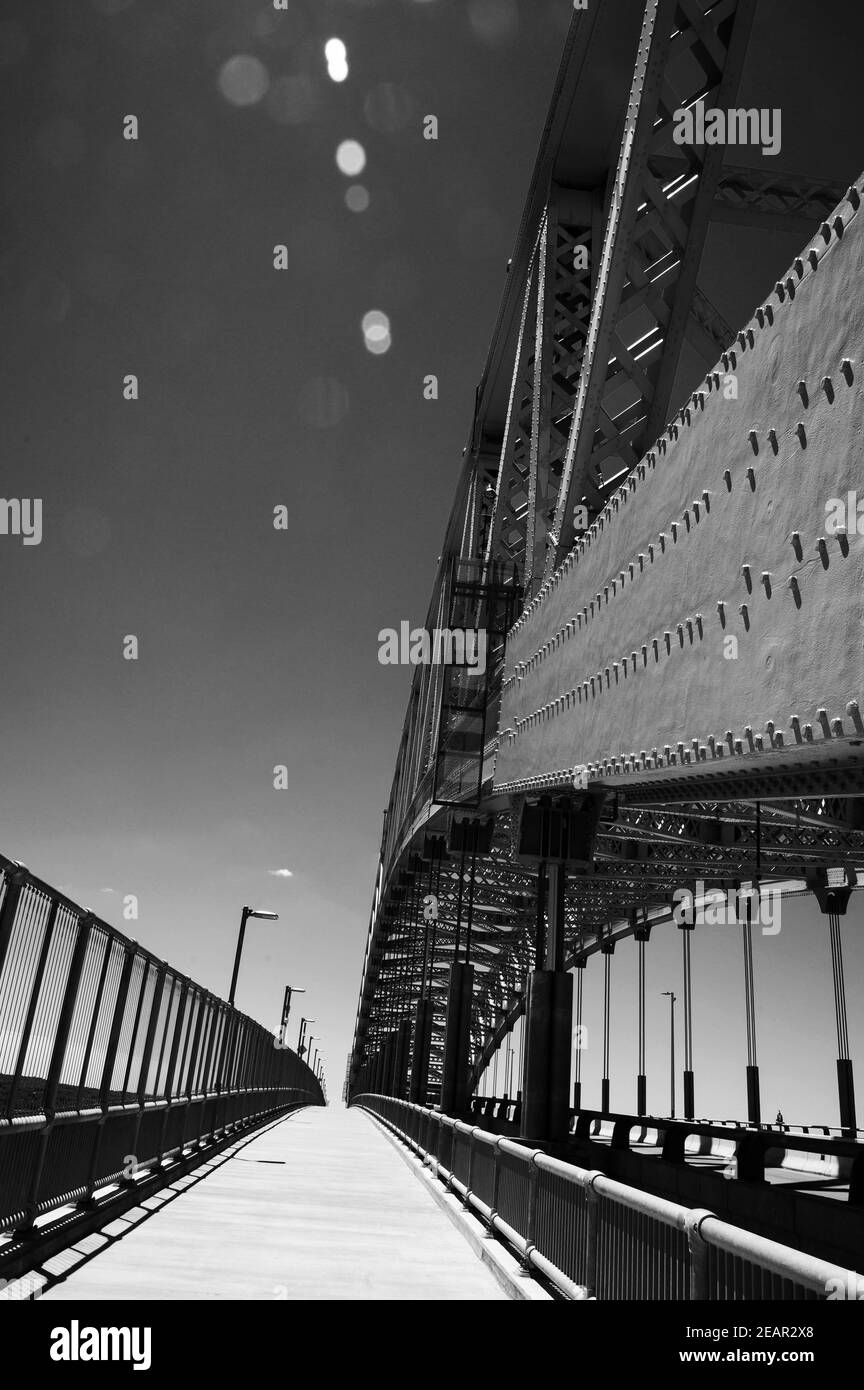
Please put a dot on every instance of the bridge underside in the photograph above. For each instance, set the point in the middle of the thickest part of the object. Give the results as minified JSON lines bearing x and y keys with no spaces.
{"x":687,"y":670}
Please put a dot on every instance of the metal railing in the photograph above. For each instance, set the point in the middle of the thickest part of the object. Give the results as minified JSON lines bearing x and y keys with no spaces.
{"x":110,"y":1060}
{"x":752,"y":1148}
{"x":593,"y":1237}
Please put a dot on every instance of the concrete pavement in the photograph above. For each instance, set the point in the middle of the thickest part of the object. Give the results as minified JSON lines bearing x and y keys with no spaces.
{"x":318,"y":1206}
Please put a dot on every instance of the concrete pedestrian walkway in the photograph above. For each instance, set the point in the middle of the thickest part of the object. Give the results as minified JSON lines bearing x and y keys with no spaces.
{"x":319,"y":1206}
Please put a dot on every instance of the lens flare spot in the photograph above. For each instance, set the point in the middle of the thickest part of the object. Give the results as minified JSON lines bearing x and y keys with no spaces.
{"x":357,"y":198}
{"x":336,"y":55}
{"x":376,"y":332}
{"x":351,"y":158}
{"x":243,"y":80}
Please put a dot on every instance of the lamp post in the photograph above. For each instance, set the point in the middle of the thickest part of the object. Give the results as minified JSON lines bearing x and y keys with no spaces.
{"x":244,"y":916}
{"x":286,"y":1009}
{"x":668,"y":994}
{"x":302,"y":1041}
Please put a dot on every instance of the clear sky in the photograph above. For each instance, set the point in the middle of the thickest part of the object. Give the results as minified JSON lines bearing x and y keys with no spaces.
{"x":257,"y":648}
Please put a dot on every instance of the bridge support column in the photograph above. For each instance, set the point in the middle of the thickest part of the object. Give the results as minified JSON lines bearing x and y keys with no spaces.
{"x":754,"y":1099}
{"x":387,"y":1066}
{"x":457,"y":1040}
{"x":643,"y":935}
{"x":607,"y":950}
{"x":546,"y":1082}
{"x":833,"y":900}
{"x":401,"y":1047}
{"x":548,"y":1026}
{"x":375,"y":1073}
{"x":422,"y":1048}
{"x":579,"y":964}
{"x":686,"y":929}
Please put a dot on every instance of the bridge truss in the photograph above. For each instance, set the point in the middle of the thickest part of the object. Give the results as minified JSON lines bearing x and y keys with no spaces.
{"x":604,"y":332}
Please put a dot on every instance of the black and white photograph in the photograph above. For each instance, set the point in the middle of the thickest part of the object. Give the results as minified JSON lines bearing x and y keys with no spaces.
{"x":432,"y":677}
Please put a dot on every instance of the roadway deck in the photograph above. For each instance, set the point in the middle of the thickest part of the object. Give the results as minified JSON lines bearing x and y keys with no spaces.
{"x":318,"y":1206}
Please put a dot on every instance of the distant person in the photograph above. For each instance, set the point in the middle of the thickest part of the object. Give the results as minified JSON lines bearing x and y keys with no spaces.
{"x":780,"y":1121}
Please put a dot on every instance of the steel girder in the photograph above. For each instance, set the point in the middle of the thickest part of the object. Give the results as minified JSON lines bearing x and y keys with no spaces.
{"x":643,"y":855}
{"x":655,"y":233}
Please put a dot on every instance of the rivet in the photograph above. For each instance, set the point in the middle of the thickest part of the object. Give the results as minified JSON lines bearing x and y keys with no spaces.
{"x":727,"y":478}
{"x":854,"y":713}
{"x":751,"y":478}
{"x":828,"y":388}
{"x":802,"y":391}
{"x":839,"y":225}
{"x":853,"y":196}
{"x":802,"y":435}
{"x":754,"y":441}
{"x":772,"y":440}
{"x":799,"y":267}
{"x":766,"y":581}
{"x":813,"y":258}
{"x":826,"y":232}
{"x":779,"y":291}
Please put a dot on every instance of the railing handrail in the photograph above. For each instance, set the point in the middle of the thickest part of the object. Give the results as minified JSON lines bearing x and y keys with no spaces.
{"x":100,"y":1036}
{"x":771,"y":1138}
{"x":703,"y":1228}
{"x":32,"y":880}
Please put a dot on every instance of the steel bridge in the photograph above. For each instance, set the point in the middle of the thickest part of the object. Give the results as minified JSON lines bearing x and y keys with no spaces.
{"x":669,"y":709}
{"x":674,"y":673}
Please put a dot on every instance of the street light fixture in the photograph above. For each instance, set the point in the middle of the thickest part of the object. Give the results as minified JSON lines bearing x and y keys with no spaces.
{"x":244,"y":916}
{"x":290,"y":991}
{"x":668,"y":994}
{"x":302,"y":1048}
